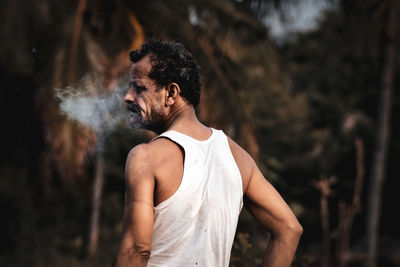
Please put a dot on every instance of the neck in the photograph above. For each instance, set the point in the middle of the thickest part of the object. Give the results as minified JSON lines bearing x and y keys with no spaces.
{"x":181,"y":115}
{"x":181,"y":118}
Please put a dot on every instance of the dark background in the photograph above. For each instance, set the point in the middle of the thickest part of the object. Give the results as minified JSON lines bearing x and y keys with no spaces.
{"x":298,"y":102}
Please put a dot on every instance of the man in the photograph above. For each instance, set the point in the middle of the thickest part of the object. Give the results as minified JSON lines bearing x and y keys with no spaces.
{"x":184,"y":189}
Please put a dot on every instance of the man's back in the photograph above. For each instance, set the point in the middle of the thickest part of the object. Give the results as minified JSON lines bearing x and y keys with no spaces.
{"x":164,"y":92}
{"x":196,"y":225}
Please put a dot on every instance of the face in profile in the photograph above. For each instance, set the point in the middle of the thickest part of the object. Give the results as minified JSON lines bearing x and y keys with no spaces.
{"x":144,"y":98}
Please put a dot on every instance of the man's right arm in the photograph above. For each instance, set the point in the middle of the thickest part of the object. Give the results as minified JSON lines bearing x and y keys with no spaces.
{"x":269,"y":209}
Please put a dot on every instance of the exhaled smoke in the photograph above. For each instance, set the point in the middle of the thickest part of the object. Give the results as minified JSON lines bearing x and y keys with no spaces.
{"x":100,"y":112}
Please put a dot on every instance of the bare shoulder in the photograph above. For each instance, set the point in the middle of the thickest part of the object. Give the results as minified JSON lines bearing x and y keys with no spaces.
{"x":156,"y":156}
{"x":139,"y":156}
{"x":152,"y":152}
{"x":244,"y":162}
{"x":162,"y":149}
{"x":138,"y":153}
{"x":138,"y":163}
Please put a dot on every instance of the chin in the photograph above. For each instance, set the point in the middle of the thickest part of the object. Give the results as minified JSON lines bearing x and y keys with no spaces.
{"x":136,"y":124}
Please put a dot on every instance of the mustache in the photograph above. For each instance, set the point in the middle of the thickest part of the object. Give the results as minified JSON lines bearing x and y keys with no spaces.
{"x":133,"y":107}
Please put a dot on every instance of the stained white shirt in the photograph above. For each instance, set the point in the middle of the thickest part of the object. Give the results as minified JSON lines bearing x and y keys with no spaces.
{"x":196,"y":226}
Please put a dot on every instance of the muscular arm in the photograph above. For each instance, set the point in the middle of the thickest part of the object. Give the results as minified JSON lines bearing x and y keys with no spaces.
{"x":138,"y":210}
{"x":270,"y":210}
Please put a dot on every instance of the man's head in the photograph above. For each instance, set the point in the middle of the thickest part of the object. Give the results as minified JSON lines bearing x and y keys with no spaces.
{"x":161,"y":73}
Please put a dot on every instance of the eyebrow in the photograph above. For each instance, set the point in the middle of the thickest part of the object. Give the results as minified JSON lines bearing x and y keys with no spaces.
{"x":134,"y":84}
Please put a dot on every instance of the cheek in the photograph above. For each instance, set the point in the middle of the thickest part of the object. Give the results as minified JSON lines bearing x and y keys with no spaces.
{"x":150,"y":104}
{"x":159,"y":103}
{"x":141,"y":103}
{"x":159,"y":99}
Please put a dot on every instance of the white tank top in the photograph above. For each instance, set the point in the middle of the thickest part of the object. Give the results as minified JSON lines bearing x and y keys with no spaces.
{"x":197,"y":224}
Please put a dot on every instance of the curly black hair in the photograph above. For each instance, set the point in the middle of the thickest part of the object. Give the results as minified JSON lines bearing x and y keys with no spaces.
{"x":172,"y":63}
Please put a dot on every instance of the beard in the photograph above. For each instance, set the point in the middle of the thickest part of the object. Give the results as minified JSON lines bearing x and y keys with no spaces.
{"x":154,"y":123}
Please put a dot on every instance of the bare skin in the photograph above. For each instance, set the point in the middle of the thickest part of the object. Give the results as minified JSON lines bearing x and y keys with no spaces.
{"x":152,"y":177}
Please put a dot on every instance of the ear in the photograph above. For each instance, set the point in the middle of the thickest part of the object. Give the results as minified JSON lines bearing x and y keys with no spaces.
{"x":173,"y":92}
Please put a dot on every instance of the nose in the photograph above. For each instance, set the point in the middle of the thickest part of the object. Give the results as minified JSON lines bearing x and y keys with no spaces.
{"x":130,"y":96}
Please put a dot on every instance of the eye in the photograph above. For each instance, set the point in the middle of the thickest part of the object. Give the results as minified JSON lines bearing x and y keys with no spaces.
{"x":139,"y":89}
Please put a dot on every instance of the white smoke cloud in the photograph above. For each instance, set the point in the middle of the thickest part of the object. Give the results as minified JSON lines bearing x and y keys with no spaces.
{"x":103,"y":113}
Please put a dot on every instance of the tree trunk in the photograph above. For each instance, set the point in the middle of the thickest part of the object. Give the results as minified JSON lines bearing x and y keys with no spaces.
{"x":75,"y":39}
{"x":348,"y":212}
{"x":326,"y":234}
{"x":324,"y":186}
{"x":382,"y":138}
{"x":96,"y":203}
